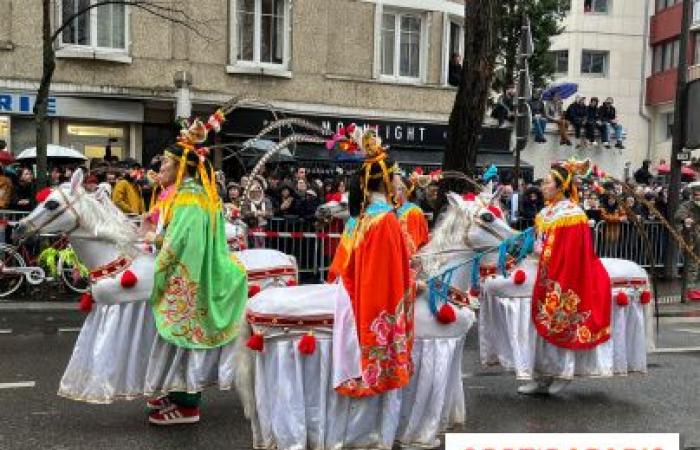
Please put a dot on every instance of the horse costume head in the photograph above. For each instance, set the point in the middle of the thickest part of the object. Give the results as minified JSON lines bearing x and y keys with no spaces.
{"x":69,"y":209}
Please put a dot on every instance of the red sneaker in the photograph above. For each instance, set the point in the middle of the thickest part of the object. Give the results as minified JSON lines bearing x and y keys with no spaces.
{"x":174,"y":415}
{"x":158,"y":403}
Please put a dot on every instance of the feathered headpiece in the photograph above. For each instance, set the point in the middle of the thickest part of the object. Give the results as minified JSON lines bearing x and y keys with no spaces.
{"x":193,"y":134}
{"x":353,"y":139}
{"x":574,"y":168}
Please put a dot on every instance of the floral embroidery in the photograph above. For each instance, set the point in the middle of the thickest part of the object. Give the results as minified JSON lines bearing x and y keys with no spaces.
{"x":388,"y":359}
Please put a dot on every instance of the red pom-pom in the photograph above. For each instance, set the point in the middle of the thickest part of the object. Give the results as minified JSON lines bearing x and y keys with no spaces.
{"x":470,"y":197}
{"x":645,"y":297}
{"x":256,"y":342}
{"x":519,"y":276}
{"x":291,"y":282}
{"x":446,"y":314}
{"x":351,"y":128}
{"x":86,"y":302}
{"x":496,"y":211}
{"x":43,"y":194}
{"x":253,"y":290}
{"x":474,"y":291}
{"x":622,"y":298}
{"x":128,"y":279}
{"x":307,"y":344}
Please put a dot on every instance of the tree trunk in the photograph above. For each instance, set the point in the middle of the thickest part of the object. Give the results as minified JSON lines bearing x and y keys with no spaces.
{"x":42,"y":98}
{"x":480,"y":25}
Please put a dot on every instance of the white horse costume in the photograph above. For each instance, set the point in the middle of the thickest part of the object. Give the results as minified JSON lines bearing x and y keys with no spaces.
{"x":294,"y":405}
{"x":119,"y":354}
{"x":508,"y":338}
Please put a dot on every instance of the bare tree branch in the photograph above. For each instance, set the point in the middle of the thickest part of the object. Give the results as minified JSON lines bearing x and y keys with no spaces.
{"x":175,"y":15}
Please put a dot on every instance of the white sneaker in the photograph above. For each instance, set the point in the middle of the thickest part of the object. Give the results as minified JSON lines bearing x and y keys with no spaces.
{"x":557,"y":386}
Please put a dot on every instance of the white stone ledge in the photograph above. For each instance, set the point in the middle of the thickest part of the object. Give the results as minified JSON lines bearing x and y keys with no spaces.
{"x":89,"y":53}
{"x":258,"y":70}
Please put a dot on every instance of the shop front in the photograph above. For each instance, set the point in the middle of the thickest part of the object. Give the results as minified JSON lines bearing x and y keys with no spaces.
{"x":89,"y":125}
{"x":412,"y":143}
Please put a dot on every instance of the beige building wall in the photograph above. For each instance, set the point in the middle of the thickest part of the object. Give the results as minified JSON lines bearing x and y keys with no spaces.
{"x":332,"y":59}
{"x":621,"y":32}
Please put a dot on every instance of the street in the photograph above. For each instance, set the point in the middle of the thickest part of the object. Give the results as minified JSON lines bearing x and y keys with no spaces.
{"x":33,"y":417}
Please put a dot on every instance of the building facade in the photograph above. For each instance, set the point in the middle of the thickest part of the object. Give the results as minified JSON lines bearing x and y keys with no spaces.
{"x":602,"y":49}
{"x":664,"y":51}
{"x":331,"y":60}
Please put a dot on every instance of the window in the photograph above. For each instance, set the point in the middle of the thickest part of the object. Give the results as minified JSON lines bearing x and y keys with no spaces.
{"x":561,"y":61}
{"x":669,"y":125}
{"x":594,"y":62}
{"x":401,"y":36}
{"x":666,"y":56}
{"x":103,"y":27}
{"x":595,"y":6}
{"x":260,"y":33}
{"x":696,"y":13}
{"x":663,"y":4}
{"x":454,"y":45}
{"x":696,"y":56}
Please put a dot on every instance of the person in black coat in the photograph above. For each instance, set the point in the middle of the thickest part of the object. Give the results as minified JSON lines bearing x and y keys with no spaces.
{"x":643,"y":174}
{"x":24,"y":194}
{"x":576,"y":115}
{"x":454,"y":71}
{"x":531,"y":204}
{"x":593,"y":121}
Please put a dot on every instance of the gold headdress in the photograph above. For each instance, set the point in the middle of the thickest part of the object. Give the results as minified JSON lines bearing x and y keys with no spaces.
{"x":573,"y":168}
{"x":190,"y":140}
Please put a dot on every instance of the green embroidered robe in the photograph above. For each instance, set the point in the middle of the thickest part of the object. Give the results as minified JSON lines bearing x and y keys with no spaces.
{"x":200,"y":290}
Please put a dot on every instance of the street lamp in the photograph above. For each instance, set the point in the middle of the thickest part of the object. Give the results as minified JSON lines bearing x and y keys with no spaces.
{"x":183,"y":82}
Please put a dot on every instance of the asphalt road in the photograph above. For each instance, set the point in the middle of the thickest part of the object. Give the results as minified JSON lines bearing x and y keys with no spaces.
{"x":33,"y":417}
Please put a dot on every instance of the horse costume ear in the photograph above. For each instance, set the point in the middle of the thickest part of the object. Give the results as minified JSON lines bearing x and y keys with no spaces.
{"x":76,"y":181}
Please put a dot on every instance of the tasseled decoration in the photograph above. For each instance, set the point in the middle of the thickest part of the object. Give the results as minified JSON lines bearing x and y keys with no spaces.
{"x":86,"y":302}
{"x":503,"y":250}
{"x":307,"y":344}
{"x":43,"y":194}
{"x":519,"y":277}
{"x":527,"y":245}
{"x":446,"y":315}
{"x":256,"y":342}
{"x":622,"y":298}
{"x":645,"y":297}
{"x":253,"y":290}
{"x":475,"y":275}
{"x":128,"y":279}
{"x":291,"y":282}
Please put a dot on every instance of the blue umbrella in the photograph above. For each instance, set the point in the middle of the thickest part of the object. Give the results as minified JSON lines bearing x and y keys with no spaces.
{"x":565,"y":90}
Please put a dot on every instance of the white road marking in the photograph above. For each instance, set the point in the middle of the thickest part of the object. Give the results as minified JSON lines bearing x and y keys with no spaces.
{"x":689,"y":330}
{"x":21,"y":384}
{"x":69,"y":330}
{"x":677,"y":350}
{"x":5,"y":330}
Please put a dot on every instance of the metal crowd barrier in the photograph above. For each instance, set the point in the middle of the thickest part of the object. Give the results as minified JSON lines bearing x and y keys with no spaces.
{"x":623,"y":240}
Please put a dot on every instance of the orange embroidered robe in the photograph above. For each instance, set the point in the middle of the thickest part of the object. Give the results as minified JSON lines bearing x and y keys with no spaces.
{"x":415,"y":226}
{"x":373,"y":263}
{"x":571,"y":302}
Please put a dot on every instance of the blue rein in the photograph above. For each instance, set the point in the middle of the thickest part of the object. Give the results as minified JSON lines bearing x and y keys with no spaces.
{"x":519,"y":246}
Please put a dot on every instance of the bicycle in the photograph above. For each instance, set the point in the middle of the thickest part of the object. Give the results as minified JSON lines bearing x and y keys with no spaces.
{"x":17,"y":264}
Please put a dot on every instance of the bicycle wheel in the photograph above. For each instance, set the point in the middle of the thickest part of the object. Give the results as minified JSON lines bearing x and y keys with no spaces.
{"x":71,"y":276}
{"x":10,"y":259}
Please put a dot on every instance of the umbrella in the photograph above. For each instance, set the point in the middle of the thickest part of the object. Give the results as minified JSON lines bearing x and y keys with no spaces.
{"x":53,"y":152}
{"x":686,"y":171}
{"x":565,"y":90}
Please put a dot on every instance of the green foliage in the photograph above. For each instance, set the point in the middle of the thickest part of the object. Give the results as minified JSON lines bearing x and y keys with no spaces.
{"x":545,"y":21}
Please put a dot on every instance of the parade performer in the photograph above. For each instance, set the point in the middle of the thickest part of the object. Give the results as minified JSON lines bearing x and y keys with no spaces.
{"x":373,"y":331}
{"x":571,"y":302}
{"x":411,"y":217}
{"x":199,"y":291}
{"x":688,"y":221}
